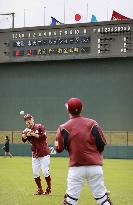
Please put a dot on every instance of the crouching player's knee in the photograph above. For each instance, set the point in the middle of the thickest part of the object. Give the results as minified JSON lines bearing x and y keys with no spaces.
{"x":69,"y":200}
{"x":104,"y":200}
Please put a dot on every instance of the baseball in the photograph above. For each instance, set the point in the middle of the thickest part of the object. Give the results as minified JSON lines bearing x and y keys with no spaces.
{"x":21,"y":112}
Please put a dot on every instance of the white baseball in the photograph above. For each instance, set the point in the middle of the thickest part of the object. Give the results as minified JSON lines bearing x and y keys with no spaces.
{"x":21,"y":112}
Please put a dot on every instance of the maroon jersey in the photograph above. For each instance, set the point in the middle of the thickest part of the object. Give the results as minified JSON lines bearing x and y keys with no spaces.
{"x":39,"y":145}
{"x":76,"y":136}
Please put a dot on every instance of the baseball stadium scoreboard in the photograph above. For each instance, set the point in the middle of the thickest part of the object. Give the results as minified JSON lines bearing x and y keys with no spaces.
{"x":71,"y":41}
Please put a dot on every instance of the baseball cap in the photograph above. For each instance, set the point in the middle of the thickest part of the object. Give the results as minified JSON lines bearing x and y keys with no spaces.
{"x":74,"y":105}
{"x":27,"y":117}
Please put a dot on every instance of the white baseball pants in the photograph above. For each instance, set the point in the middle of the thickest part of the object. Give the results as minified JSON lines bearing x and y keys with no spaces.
{"x":76,"y":178}
{"x":41,"y":163}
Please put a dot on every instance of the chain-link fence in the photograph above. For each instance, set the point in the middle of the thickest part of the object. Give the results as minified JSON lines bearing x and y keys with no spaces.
{"x":113,"y":137}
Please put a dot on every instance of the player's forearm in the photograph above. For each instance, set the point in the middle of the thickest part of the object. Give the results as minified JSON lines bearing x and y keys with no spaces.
{"x":24,"y":137}
{"x":58,"y":147}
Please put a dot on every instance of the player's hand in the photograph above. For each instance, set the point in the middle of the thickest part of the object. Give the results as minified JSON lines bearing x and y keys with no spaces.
{"x":32,"y":133}
{"x":56,"y":144}
{"x":24,"y":136}
{"x":28,"y":134}
{"x":27,"y":130}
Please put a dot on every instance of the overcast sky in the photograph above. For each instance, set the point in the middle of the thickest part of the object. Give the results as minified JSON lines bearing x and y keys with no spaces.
{"x":30,"y":13}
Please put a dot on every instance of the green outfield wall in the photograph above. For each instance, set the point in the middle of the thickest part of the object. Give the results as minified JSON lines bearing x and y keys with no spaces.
{"x":115,"y":152}
{"x":41,"y":88}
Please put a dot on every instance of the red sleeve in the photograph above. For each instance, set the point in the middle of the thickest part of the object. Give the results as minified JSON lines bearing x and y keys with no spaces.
{"x":42,"y":131}
{"x":60,"y":141}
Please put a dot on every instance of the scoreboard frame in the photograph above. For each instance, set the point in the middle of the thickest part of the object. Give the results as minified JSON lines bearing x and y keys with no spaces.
{"x":105,"y":39}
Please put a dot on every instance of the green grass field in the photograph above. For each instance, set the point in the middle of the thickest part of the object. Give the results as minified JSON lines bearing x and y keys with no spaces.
{"x":17,"y":184}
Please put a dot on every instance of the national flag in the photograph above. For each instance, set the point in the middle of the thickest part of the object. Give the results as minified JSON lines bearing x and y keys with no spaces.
{"x":118,"y":16}
{"x":93,"y":18}
{"x":55,"y":22}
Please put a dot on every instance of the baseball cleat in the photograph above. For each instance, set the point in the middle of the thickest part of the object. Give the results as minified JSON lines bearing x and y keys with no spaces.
{"x":39,"y":192}
{"x":47,"y":192}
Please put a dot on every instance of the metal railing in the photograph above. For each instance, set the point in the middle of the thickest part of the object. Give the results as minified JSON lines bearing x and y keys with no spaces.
{"x":113,"y":137}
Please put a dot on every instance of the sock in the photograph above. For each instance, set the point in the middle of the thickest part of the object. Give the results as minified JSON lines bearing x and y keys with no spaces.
{"x":38,"y":182}
{"x":48,"y":180}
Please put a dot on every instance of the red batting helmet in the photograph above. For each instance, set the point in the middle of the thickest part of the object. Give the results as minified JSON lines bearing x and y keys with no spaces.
{"x":74,"y":106}
{"x":27,"y":117}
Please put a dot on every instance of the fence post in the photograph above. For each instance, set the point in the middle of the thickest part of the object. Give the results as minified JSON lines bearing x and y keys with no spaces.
{"x":12,"y":136}
{"x":110,"y":138}
{"x":127,"y":138}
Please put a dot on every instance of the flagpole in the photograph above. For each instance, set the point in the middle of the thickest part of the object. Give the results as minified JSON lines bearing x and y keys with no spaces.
{"x":44,"y":14}
{"x":12,"y":19}
{"x":107,"y":13}
{"x":87,"y":12}
{"x":107,"y":10}
{"x":24,"y":17}
{"x":64,"y":13}
{"x":70,"y":15}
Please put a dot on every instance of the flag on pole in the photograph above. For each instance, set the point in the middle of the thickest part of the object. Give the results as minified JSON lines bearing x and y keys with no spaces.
{"x":55,"y":22}
{"x":118,"y":16}
{"x":93,"y":18}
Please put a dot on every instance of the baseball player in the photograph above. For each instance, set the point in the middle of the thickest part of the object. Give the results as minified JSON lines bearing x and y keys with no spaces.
{"x":36,"y":135}
{"x":6,"y":147}
{"x":84,"y":140}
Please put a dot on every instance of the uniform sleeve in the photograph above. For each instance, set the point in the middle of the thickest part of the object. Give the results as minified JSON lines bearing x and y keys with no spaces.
{"x":59,"y":147}
{"x":99,"y":137}
{"x":42,"y":132}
